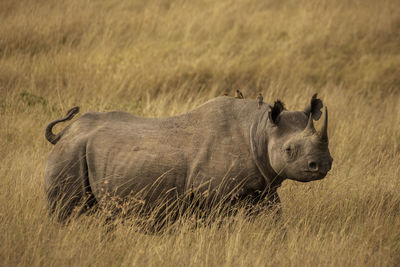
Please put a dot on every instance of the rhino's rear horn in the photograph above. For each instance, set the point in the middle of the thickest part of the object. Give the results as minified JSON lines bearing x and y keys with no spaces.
{"x":324,"y":131}
{"x":310,"y":129}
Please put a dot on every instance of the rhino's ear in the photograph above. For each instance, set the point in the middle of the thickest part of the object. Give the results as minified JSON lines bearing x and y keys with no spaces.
{"x":276,"y":111}
{"x":314,"y":108}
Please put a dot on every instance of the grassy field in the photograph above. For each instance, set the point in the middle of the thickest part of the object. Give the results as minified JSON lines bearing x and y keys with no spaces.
{"x":164,"y":57}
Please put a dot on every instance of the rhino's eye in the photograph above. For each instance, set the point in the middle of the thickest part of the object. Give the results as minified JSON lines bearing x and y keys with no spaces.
{"x":290,"y":151}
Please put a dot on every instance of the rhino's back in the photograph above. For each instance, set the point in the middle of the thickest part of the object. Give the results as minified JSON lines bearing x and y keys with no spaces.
{"x":126,"y":153}
{"x":221,"y":114}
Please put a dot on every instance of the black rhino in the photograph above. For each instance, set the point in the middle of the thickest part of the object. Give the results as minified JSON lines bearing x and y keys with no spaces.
{"x":223,"y":146}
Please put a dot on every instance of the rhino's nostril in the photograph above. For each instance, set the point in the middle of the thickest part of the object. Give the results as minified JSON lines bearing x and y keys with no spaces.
{"x":313,"y":166}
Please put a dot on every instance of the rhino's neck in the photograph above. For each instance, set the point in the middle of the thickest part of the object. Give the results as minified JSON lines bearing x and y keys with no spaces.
{"x":259,"y":147}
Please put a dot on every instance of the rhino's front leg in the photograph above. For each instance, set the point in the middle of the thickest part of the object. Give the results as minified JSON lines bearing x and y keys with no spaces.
{"x":274,"y":204}
{"x":266,"y":202}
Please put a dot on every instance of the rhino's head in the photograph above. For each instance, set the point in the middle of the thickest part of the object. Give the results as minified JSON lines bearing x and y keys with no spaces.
{"x":296,"y":149}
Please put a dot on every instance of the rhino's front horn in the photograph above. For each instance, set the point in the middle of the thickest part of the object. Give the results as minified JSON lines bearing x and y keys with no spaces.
{"x":324,"y":131}
{"x":310,"y":129}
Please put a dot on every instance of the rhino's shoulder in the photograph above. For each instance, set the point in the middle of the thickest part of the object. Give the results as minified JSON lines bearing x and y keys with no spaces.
{"x":225,"y":107}
{"x":232,"y":103}
{"x":220,"y":101}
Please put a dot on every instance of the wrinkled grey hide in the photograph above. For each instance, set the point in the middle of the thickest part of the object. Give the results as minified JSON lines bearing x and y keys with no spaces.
{"x":226,"y":145}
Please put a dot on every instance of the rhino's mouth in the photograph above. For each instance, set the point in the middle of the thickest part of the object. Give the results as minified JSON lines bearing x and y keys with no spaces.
{"x":310,"y":176}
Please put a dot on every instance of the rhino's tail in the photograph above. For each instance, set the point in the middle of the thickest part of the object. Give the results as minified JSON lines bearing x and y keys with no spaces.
{"x":50,"y":136}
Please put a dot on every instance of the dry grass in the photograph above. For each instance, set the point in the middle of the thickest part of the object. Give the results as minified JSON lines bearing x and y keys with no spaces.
{"x":164,"y":57}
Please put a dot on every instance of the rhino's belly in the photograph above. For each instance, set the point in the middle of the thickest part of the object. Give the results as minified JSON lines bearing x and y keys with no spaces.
{"x":134,"y":168}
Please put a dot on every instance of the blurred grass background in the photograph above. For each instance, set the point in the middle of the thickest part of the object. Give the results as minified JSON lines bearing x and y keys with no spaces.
{"x":164,"y":57}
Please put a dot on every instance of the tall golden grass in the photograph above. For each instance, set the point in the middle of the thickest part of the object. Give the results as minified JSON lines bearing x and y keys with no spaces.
{"x":164,"y":57}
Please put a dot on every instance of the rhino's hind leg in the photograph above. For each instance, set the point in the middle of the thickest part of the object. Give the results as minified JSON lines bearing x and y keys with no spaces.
{"x":67,"y":187}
